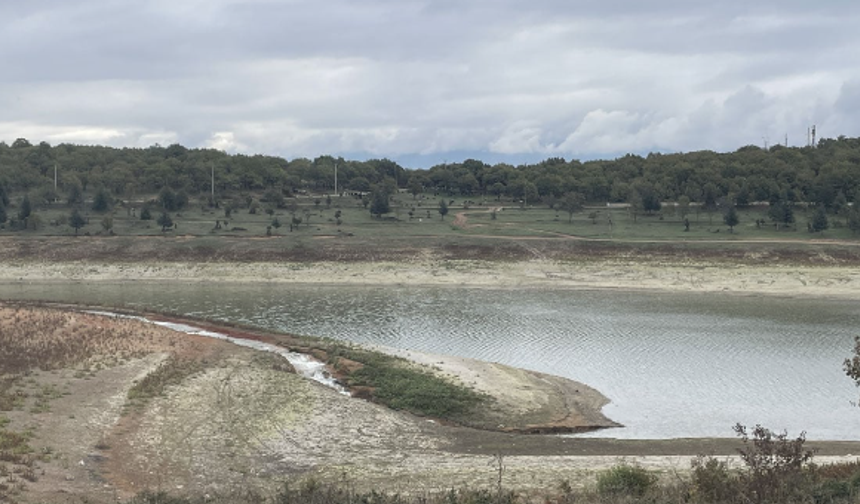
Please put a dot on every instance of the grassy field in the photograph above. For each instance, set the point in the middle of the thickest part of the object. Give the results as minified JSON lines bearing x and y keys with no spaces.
{"x":419,"y":217}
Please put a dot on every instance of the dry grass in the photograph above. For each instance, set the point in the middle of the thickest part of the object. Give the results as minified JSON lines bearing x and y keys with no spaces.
{"x":44,"y":339}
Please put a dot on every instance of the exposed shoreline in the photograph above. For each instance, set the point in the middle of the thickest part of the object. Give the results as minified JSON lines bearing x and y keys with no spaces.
{"x":824,"y":281}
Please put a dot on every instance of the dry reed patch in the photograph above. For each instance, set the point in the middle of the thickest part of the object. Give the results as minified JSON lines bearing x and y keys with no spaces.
{"x":45,"y":339}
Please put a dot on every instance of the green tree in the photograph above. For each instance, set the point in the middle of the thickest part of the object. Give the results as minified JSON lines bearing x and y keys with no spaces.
{"x":171,"y":201}
{"x":74,"y":192}
{"x":107,"y":223}
{"x":781,"y":212}
{"x":76,"y":220}
{"x":731,"y":219}
{"x":164,"y":221}
{"x":415,"y":187}
{"x":21,"y":143}
{"x":101,"y":201}
{"x":819,"y":220}
{"x":145,"y":214}
{"x":443,"y":209}
{"x":3,"y":215}
{"x":571,"y":203}
{"x":4,"y":196}
{"x":379,"y":203}
{"x":359,"y":185}
{"x":25,"y":209}
{"x":636,"y":206}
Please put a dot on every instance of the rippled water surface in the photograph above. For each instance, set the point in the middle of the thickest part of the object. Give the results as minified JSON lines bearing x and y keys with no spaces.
{"x":674,"y":365}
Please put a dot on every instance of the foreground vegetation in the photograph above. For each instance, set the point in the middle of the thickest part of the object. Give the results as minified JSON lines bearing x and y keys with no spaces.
{"x":777,"y":470}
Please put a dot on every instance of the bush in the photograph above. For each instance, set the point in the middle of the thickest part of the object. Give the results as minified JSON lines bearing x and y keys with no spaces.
{"x":712,"y":481}
{"x":625,"y":480}
{"x":775,"y":464}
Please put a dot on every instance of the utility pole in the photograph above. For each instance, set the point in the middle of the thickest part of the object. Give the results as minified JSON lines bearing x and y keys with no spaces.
{"x":813,"y":136}
{"x":335,"y":179}
{"x":55,"y":177}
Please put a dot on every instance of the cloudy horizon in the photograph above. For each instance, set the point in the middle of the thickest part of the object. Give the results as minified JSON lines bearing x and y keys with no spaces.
{"x":423,"y":82}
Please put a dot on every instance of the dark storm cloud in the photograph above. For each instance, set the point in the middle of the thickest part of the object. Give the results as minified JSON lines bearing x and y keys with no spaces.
{"x":410,"y":78}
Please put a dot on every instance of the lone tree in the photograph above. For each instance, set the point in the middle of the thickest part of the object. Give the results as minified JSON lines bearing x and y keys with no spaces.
{"x":101,"y":201}
{"x":379,"y":203}
{"x":26,"y":209}
{"x":76,"y":220}
{"x":731,"y":219}
{"x":819,"y":221}
{"x":164,"y":221}
{"x":443,"y":209}
{"x":571,"y":203}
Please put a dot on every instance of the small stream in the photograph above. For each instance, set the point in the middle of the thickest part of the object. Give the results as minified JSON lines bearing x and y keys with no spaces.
{"x":304,"y":364}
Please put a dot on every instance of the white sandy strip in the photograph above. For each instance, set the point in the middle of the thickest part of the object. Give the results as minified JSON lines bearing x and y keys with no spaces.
{"x":828,"y":280}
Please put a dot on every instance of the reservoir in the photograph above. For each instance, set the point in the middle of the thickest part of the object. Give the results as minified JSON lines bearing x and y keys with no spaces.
{"x":673,"y":365}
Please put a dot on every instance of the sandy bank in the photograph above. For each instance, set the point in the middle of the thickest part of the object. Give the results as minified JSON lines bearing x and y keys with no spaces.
{"x":835,"y":281}
{"x":524,"y":401}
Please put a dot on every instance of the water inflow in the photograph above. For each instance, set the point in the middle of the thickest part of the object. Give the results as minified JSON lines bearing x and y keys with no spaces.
{"x":304,"y":364}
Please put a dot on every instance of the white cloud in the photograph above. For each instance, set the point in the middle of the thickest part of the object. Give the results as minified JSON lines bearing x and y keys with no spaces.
{"x":385,"y":78}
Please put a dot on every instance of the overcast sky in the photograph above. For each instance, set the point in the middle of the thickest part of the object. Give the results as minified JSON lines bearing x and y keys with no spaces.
{"x":426,"y":81}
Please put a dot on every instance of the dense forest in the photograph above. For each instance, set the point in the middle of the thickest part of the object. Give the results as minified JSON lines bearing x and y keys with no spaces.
{"x":827,"y":175}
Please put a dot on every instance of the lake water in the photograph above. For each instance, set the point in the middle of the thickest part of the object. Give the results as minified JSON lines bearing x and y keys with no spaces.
{"x":673,"y":365}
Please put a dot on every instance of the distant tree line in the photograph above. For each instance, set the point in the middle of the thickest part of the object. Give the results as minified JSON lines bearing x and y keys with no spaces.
{"x":827,"y":175}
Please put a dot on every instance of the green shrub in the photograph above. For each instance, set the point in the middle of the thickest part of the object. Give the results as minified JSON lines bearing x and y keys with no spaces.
{"x":625,"y":480}
{"x":831,"y":490}
{"x":401,"y":386}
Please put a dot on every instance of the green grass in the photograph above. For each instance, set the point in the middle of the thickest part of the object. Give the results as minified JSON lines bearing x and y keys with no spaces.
{"x":512,"y":221}
{"x":403,"y":386}
{"x":13,"y":445}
